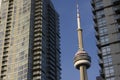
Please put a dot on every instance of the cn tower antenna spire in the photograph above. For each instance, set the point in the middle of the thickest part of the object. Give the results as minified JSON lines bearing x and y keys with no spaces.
{"x":78,"y":16}
{"x":82,"y":60}
{"x":80,"y":38}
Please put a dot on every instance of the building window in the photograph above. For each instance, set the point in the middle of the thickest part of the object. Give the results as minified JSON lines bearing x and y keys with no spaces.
{"x":109,"y":71}
{"x":118,"y":36}
{"x":100,"y":14}
{"x":103,"y":30}
{"x":105,"y":50}
{"x":101,"y":22}
{"x":104,"y":39}
{"x":99,"y":4}
{"x":116,"y":8}
{"x":107,"y":60}
{"x":111,"y":78}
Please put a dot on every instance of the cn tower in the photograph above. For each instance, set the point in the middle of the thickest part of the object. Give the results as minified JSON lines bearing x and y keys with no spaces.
{"x":82,"y":60}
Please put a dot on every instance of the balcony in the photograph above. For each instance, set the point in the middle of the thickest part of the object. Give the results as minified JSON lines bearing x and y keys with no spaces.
{"x":36,"y":58}
{"x":97,"y":34}
{"x":38,"y":6}
{"x":37,"y":14}
{"x":37,"y":31}
{"x":37,"y":78}
{"x":5,"y":55}
{"x":99,"y":8}
{"x":38,"y":18}
{"x":95,"y":19}
{"x":37,"y":53}
{"x":9,"y":13}
{"x":37,"y":35}
{"x":38,"y":2}
{"x":38,"y":22}
{"x":102,"y":73}
{"x":11,"y":3}
{"x":99,"y":54}
{"x":8,"y":25}
{"x":8,"y":34}
{"x":3,"y":69}
{"x":8,"y":28}
{"x":37,"y":26}
{"x":9,"y":19}
{"x":117,"y":10}
{"x":115,"y":2}
{"x":117,"y":17}
{"x":38,"y":67}
{"x":36,"y":73}
{"x":37,"y":44}
{"x":37,"y":39}
{"x":101,"y":63}
{"x":5,"y":58}
{"x":5,"y":50}
{"x":98,"y":44}
{"x":37,"y":48}
{"x":92,"y":3}
{"x":7,"y":38}
{"x":38,"y":11}
{"x":36,"y":63}
{"x":10,"y":8}
{"x":4,"y":64}
{"x":93,"y":10}
{"x":6,"y":42}
{"x":3,"y":75}
{"x":119,"y":27}
{"x":6,"y":47}
{"x":95,"y":26}
{"x":8,"y":22}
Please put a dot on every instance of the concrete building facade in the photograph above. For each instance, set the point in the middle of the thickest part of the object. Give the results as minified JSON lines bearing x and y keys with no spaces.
{"x":106,"y":16}
{"x":29,"y":40}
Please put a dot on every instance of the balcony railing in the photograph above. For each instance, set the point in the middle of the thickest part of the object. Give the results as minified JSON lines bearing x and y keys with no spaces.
{"x":37,"y":78}
{"x":102,"y":73}
{"x":99,"y":54}
{"x":37,"y":62}
{"x":118,"y":27}
{"x":36,"y":73}
{"x":101,"y":63}
{"x":37,"y":58}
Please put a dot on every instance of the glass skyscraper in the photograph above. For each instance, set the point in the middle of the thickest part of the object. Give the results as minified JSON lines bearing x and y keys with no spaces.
{"x":29,"y":40}
{"x":106,"y":15}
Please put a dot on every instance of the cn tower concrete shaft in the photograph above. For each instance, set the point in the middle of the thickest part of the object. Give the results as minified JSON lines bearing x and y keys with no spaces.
{"x":81,"y":60}
{"x":80,"y":41}
{"x":83,"y":73}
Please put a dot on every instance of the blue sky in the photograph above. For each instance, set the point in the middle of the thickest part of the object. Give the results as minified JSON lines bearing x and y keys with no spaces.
{"x":69,"y":42}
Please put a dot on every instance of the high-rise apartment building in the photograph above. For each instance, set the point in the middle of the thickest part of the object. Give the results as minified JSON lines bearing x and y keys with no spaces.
{"x":29,"y":40}
{"x":107,"y":26}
